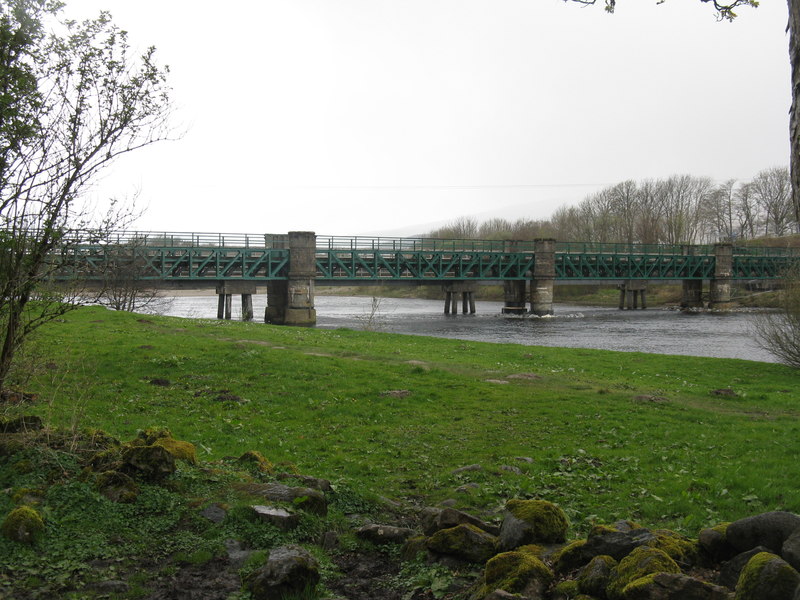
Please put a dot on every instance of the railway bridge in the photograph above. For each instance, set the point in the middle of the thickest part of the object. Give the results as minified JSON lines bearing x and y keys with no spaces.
{"x":292,"y":265}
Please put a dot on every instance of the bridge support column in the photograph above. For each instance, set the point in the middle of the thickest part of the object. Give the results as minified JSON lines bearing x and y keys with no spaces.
{"x":291,"y":302}
{"x":692,"y":296}
{"x":632,"y":291}
{"x":514,"y":297}
{"x":544,"y":275}
{"x":451,"y":292}
{"x":723,"y":270}
{"x":226,"y":290}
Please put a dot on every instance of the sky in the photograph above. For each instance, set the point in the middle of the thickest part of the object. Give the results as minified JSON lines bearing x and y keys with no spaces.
{"x":393,"y":117}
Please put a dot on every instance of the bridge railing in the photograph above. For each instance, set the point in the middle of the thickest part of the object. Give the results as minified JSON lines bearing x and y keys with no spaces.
{"x":332,"y":242}
{"x":173,"y":239}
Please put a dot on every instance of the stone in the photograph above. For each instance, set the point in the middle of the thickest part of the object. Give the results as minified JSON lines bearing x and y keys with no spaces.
{"x":214,"y":513}
{"x":516,"y":573}
{"x":526,"y":459}
{"x":116,"y":486}
{"x":385,"y":534}
{"x":465,"y":542}
{"x":288,"y":571}
{"x":767,"y":576}
{"x":511,"y":469}
{"x":617,"y":544}
{"x":151,"y":463}
{"x":641,"y":562}
{"x":467,"y":469}
{"x":502,"y":595}
{"x":307,"y":499}
{"x":673,"y":586}
{"x":237,"y":555}
{"x":434,"y":519}
{"x":714,"y":541}
{"x":329,"y":540}
{"x":769,"y":529}
{"x":532,"y":522}
{"x":730,"y":571}
{"x":23,"y":524}
{"x":279,"y":517}
{"x":593,"y":578}
{"x":316,"y":483}
{"x":790,"y":551}
{"x":467,"y":488}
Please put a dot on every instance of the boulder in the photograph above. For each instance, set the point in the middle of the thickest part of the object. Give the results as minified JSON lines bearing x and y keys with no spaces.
{"x":641,"y":562}
{"x":730,"y":571}
{"x":307,"y":499}
{"x":767,"y":576}
{"x":673,"y":586}
{"x":434,"y":519}
{"x":23,"y":524}
{"x":594,"y":577}
{"x":151,"y":463}
{"x":465,"y":542}
{"x":790,"y":551}
{"x":515,"y":573}
{"x":714,"y":542}
{"x":532,"y":522}
{"x":769,"y":529}
{"x":116,"y":486}
{"x":385,"y":534}
{"x":617,"y":544}
{"x":317,"y":483}
{"x":253,"y":459}
{"x":279,"y":517}
{"x":680,"y":548}
{"x":288,"y":571}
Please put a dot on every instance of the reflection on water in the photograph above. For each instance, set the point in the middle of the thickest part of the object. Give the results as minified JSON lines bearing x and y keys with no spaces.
{"x":653,"y":330}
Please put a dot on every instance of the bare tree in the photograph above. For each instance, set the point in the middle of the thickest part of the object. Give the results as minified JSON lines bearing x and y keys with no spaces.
{"x":720,"y":212}
{"x":747,"y":210}
{"x":772,"y":188}
{"x":779,"y":333}
{"x":73,"y":101}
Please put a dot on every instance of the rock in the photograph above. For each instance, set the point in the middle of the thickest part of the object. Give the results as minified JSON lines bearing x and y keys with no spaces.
{"x":679,"y":548}
{"x":467,"y":488}
{"x":279,"y":517}
{"x":465,"y":542}
{"x":300,"y":497}
{"x":769,"y":529}
{"x":570,"y":557}
{"x":673,"y":586}
{"x":434,"y":519}
{"x":730,"y":571}
{"x":385,"y":534}
{"x":516,"y":573}
{"x":532,"y":522}
{"x":23,"y":524}
{"x":641,"y":562}
{"x":111,"y":586}
{"x":767,"y":577}
{"x":526,"y":459}
{"x":288,"y":571}
{"x":790,"y":551}
{"x":617,"y":544}
{"x":511,"y":469}
{"x":593,"y":578}
{"x":214,"y":513}
{"x":714,"y":542}
{"x":237,"y":555}
{"x":151,"y":463}
{"x":317,"y":483}
{"x":179,"y":449}
{"x":448,"y":503}
{"x":502,"y":595}
{"x":329,"y":540}
{"x":467,"y":469}
{"x":116,"y":486}
{"x":254,"y":459}
{"x":726,"y":392}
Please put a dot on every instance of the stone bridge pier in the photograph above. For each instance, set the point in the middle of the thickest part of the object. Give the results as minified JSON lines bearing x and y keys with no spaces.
{"x":291,"y":302}
{"x":451,"y":293}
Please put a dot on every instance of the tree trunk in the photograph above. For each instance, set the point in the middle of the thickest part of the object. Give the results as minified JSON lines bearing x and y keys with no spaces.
{"x":794,"y":119}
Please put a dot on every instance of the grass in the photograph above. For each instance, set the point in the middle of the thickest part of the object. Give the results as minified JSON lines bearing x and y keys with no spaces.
{"x":610,"y":435}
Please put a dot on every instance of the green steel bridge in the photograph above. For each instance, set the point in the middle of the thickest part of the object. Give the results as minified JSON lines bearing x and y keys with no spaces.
{"x":194,"y":258}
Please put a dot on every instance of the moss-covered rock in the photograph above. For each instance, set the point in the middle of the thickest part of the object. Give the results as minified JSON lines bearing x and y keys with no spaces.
{"x":532,"y":522}
{"x":767,"y":577}
{"x":664,"y":586}
{"x":679,"y":547}
{"x":254,"y":459}
{"x":714,"y":542}
{"x":465,"y":541}
{"x":23,"y":524}
{"x":150,"y":435}
{"x":151,"y":463}
{"x":179,"y":449}
{"x":116,"y":486}
{"x":594,"y":577}
{"x":641,"y":562}
{"x":413,"y":547}
{"x":566,"y":590}
{"x":570,"y":557}
{"x":515,"y":572}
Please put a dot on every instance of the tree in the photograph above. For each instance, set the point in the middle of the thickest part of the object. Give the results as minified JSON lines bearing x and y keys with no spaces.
{"x":779,"y":333}
{"x":772,"y":189}
{"x":71,"y":102}
{"x":726,"y":10}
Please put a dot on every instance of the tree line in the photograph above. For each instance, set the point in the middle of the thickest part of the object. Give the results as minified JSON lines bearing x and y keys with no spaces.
{"x":678,"y":209}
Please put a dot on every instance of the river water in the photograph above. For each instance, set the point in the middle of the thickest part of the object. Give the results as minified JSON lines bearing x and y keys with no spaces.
{"x":660,"y":331}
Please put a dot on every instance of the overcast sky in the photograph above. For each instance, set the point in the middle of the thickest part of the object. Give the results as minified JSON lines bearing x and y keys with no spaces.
{"x":390,"y":117}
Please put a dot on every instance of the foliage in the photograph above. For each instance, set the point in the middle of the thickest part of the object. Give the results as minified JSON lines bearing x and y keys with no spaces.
{"x":74,"y":100}
{"x":779,"y":332}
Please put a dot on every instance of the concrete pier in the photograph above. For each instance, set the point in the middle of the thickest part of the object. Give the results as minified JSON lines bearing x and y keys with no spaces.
{"x":291,"y":302}
{"x":721,"y":283}
{"x":226,"y":290}
{"x":452,"y":291}
{"x":630,"y":293}
{"x":544,"y":275}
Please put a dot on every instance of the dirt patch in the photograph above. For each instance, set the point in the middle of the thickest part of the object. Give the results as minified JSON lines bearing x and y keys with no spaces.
{"x":366,"y":577}
{"x":214,"y":580}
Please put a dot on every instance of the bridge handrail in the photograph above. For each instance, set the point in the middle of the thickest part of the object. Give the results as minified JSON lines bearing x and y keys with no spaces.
{"x":179,"y":239}
{"x":332,"y":242}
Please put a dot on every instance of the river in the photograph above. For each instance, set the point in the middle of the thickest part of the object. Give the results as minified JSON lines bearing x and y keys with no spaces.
{"x":660,"y":331}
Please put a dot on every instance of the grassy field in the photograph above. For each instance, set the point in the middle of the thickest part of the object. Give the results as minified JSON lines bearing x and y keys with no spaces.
{"x":610,"y":435}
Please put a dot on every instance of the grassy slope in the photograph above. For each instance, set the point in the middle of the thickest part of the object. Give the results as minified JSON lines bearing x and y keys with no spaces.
{"x":315,"y":398}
